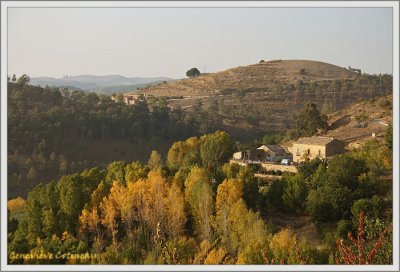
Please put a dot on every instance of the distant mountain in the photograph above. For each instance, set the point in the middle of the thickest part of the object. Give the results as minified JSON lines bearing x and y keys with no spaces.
{"x":103,"y":84}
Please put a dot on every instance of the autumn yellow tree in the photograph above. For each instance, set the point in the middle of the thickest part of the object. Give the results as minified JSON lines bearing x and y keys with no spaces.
{"x":153,"y":204}
{"x":90,"y":227}
{"x":246,"y":229}
{"x":16,"y":205}
{"x":198,"y":195}
{"x":175,"y":203}
{"x":111,"y":209}
{"x":155,"y":160}
{"x":156,"y":210}
{"x":217,"y":256}
{"x":228,"y":193}
{"x":283,"y":245}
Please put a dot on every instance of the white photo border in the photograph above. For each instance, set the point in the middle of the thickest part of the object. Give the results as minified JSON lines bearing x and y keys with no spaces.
{"x":193,"y":4}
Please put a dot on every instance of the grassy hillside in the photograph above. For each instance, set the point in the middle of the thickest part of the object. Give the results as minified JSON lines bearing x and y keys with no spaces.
{"x":263,"y":75}
{"x":262,"y":98}
{"x":357,"y":124}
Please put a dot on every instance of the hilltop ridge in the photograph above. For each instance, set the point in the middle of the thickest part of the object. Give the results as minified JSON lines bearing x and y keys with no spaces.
{"x":263,"y":75}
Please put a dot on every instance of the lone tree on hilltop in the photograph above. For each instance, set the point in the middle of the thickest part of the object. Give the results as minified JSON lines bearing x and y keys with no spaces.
{"x":194,"y":72}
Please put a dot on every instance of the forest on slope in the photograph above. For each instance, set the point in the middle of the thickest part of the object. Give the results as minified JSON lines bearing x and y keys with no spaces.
{"x":54,"y":131}
{"x":193,"y":208}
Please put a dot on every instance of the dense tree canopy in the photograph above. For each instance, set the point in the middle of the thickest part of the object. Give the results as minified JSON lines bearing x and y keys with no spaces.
{"x":52,"y":132}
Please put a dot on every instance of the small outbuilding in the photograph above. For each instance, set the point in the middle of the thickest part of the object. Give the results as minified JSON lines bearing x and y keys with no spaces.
{"x":274,"y":153}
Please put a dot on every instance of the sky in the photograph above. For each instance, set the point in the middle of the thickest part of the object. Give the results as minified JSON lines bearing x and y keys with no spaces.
{"x":151,"y":42}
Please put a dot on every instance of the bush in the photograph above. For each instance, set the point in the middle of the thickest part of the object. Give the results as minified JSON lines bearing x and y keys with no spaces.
{"x":294,"y":193}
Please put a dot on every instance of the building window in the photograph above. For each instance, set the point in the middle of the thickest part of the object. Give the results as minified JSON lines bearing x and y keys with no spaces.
{"x":319,"y":153}
{"x":308,"y":152}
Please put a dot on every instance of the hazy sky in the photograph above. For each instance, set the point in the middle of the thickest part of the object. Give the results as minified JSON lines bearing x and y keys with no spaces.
{"x":151,"y":42}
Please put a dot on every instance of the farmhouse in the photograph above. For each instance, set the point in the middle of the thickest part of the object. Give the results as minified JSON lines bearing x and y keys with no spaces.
{"x":316,"y":147}
{"x":265,"y":153}
{"x":132,"y":99}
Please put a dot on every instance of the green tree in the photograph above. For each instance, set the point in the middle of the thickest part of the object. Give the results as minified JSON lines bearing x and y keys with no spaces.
{"x":33,"y":212}
{"x":274,"y":193}
{"x":90,"y":180}
{"x":135,"y":171}
{"x":309,"y":120}
{"x":193,"y":72}
{"x":294,"y":193}
{"x":329,"y":203}
{"x":215,"y":149}
{"x":308,"y":168}
{"x":115,"y":172}
{"x":251,"y":195}
{"x":71,"y":201}
{"x":344,"y":169}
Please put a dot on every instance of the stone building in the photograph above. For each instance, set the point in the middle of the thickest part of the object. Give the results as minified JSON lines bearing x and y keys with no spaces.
{"x":316,"y":147}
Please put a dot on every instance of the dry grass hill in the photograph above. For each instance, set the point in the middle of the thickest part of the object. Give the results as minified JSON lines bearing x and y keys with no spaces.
{"x":261,"y":75}
{"x":362,"y":122}
{"x":263,"y":98}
